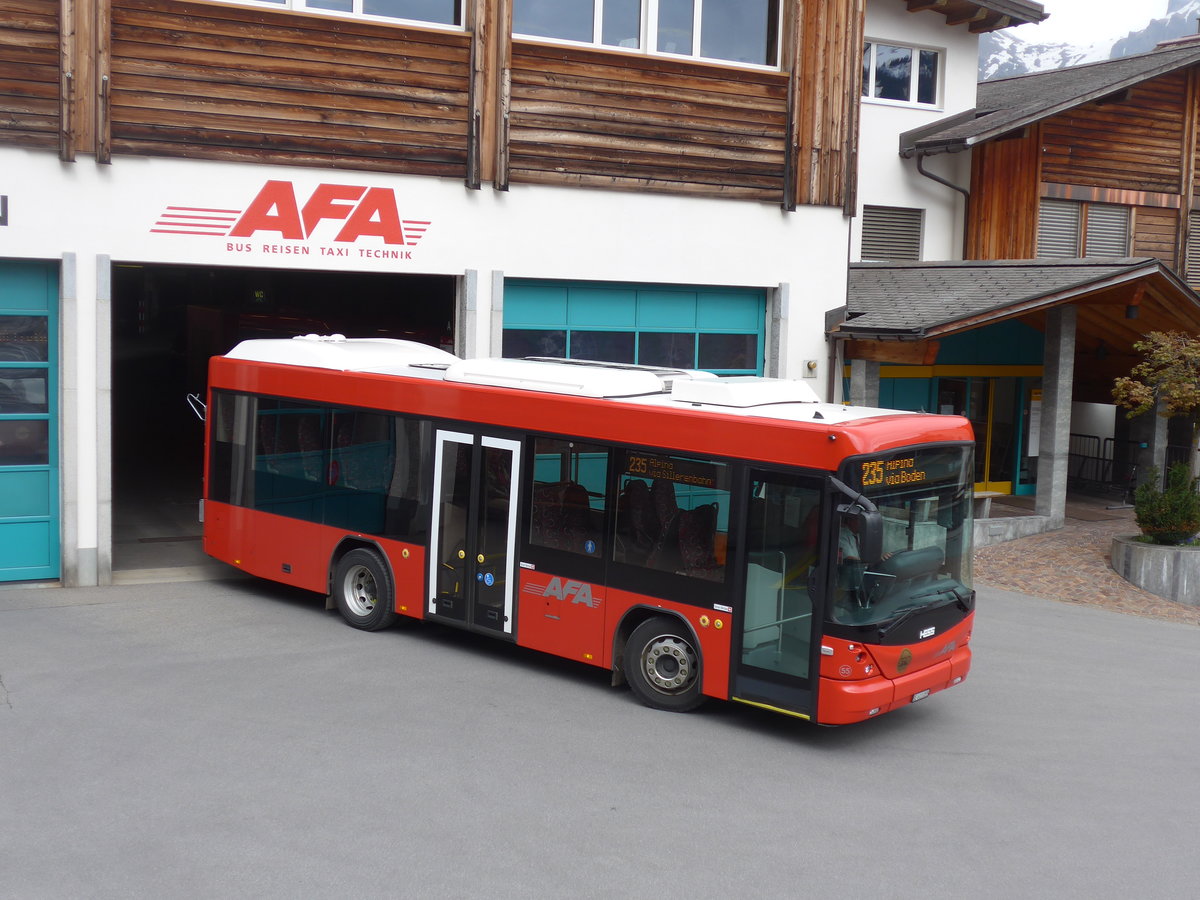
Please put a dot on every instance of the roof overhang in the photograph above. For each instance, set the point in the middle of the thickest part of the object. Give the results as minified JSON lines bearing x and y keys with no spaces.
{"x":992,"y":120}
{"x":1113,"y":311}
{"x":983,"y":15}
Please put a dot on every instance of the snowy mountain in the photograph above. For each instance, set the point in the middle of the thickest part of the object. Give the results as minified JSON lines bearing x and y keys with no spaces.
{"x":1001,"y":54}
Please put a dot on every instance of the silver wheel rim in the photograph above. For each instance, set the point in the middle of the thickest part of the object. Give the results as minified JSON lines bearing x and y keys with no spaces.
{"x":669,"y":664}
{"x":360,"y":590}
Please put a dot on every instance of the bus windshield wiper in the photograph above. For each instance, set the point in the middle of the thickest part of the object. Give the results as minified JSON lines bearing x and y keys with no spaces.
{"x":907,"y":614}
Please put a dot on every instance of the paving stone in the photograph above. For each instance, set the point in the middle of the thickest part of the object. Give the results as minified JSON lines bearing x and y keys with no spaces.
{"x":1073,"y":564}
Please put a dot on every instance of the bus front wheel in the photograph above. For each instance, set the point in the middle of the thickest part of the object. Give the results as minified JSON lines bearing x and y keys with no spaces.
{"x":362,"y":587}
{"x":662,"y":665}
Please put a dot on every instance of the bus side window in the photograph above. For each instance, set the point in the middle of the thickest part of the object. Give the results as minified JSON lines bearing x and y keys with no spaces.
{"x":291,"y":459}
{"x":569,"y":500}
{"x":672,"y":515}
{"x":230,"y":465}
{"x":406,"y":500}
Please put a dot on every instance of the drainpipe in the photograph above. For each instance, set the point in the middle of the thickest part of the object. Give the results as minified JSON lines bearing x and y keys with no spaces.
{"x":933,"y":176}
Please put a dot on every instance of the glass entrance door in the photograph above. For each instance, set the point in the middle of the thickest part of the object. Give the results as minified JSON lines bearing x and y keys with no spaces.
{"x":991,"y":405}
{"x":474,"y":529}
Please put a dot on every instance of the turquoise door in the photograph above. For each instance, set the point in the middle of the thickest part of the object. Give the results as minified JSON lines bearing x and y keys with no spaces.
{"x":29,"y":543}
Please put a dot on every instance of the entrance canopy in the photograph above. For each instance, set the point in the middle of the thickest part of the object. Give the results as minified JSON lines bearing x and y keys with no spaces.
{"x":896,"y":312}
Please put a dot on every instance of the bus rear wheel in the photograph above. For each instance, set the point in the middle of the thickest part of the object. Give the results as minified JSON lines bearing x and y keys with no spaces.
{"x":662,"y":665}
{"x":362,"y":587}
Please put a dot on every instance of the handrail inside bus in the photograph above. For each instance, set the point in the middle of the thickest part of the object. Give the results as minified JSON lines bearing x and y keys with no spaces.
{"x":199,"y":407}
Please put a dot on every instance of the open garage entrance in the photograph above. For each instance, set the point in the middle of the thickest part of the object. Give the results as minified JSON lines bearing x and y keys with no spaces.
{"x":166,"y":323}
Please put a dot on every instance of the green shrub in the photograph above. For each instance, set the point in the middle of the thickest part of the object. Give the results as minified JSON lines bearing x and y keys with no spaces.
{"x":1172,"y":515}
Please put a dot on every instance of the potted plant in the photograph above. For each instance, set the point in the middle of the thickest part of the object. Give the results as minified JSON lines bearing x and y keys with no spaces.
{"x":1164,"y":559}
{"x":1170,"y":516}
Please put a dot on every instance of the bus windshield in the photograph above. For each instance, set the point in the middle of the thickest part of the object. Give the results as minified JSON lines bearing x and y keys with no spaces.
{"x":924,"y":500}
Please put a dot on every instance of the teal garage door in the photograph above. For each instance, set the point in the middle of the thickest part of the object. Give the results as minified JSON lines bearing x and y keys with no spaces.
{"x":29,"y":543}
{"x":718,"y":329}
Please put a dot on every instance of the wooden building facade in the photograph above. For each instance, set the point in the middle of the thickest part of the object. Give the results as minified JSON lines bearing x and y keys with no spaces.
{"x":1134,"y":148}
{"x":209,"y":80}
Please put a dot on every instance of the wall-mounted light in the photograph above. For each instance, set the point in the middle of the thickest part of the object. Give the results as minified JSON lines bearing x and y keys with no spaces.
{"x":1131,"y":311}
{"x":1101,"y":350}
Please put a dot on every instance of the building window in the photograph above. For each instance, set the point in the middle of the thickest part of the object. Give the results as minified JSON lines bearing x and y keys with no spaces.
{"x":740,"y":31}
{"x":436,"y":12}
{"x":891,"y":232}
{"x":720,"y":330}
{"x":901,"y":74}
{"x":1067,"y":229}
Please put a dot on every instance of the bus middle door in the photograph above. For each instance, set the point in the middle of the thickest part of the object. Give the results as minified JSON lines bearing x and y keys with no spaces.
{"x":473,"y":550}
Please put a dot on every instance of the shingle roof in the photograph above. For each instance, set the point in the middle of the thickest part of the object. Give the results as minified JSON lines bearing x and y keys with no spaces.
{"x":1007,"y":104}
{"x":913,"y":299}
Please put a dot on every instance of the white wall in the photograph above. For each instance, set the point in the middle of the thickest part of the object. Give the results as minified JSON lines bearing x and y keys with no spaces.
{"x":1094,"y":418}
{"x":135,"y":210}
{"x":884,"y":178}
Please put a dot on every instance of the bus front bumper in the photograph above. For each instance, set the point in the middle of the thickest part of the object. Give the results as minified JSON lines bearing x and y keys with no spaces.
{"x":845,"y":702}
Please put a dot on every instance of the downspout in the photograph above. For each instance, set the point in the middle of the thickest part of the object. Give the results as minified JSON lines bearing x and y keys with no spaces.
{"x":933,"y":176}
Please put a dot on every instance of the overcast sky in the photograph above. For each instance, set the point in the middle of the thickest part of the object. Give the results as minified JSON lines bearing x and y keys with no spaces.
{"x":1090,"y":21}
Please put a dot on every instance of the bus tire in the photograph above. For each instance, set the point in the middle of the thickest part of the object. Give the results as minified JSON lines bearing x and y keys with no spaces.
{"x":362,"y":587}
{"x":662,"y":665}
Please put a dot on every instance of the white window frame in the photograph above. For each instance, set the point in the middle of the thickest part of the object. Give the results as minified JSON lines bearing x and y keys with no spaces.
{"x":355,"y":13}
{"x":648,"y":37}
{"x":914,"y":75}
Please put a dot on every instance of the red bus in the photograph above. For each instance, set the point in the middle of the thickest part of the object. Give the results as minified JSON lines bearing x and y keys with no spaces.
{"x":697,"y":536}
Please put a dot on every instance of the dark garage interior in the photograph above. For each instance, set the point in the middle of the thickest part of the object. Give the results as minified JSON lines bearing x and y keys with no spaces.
{"x":168,"y":320}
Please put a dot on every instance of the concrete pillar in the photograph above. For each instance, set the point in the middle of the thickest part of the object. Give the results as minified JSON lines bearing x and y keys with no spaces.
{"x":1054,"y":445}
{"x":777,"y":317}
{"x":496,"y":334}
{"x":1149,"y":434}
{"x":466,"y":315}
{"x":864,"y":383}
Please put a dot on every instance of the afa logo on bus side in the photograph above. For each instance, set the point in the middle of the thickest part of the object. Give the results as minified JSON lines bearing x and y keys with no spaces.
{"x":335,"y":214}
{"x":561,"y":589}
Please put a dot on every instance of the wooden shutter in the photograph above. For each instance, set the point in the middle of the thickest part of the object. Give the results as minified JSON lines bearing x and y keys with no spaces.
{"x":891,"y":232}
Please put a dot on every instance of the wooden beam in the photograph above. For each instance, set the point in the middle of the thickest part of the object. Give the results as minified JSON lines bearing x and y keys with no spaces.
{"x":1184,"y":235}
{"x":913,"y":353}
{"x":793,"y":31}
{"x":503,"y":95}
{"x":965,"y":19}
{"x":102,"y":87}
{"x":477,"y":94}
{"x":66,"y":80}
{"x":919,"y":5}
{"x":991,"y":23}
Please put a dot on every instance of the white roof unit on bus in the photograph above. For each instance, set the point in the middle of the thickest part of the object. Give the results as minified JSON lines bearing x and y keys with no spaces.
{"x":336,"y":351}
{"x":579,"y":378}
{"x":743,"y":392}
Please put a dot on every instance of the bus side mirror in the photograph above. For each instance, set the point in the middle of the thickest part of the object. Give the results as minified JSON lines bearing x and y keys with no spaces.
{"x":870,"y":535}
{"x":868,"y":522}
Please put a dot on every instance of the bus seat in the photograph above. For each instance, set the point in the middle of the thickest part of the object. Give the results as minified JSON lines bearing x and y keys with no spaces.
{"x":697,"y":539}
{"x":637,"y":525}
{"x":576,"y":517}
{"x":666,"y":507}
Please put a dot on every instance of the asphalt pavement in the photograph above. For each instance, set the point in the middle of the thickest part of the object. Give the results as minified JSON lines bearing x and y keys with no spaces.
{"x":234,"y":739}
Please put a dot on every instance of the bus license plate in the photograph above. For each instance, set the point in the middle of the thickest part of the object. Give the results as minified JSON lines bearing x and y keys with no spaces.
{"x":920,"y":695}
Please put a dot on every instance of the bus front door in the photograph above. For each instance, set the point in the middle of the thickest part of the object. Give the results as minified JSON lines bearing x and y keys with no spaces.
{"x":777,"y":666}
{"x":473,"y":530}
